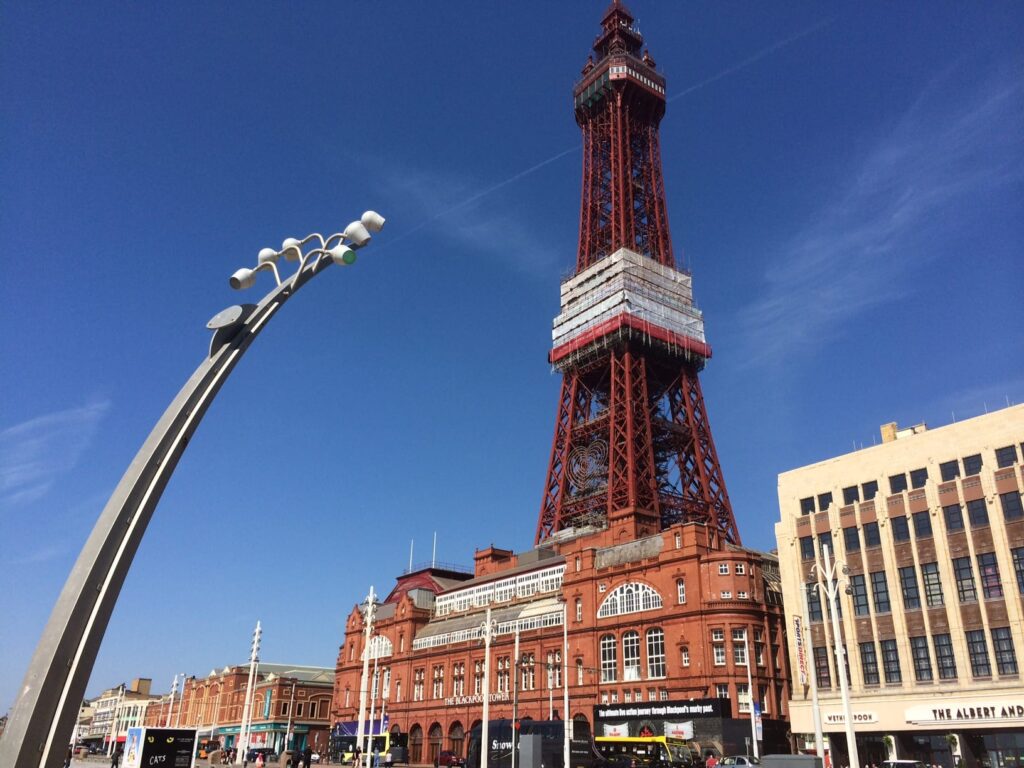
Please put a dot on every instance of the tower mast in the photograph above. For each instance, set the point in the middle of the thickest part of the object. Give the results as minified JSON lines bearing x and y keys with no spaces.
{"x":632,"y":445}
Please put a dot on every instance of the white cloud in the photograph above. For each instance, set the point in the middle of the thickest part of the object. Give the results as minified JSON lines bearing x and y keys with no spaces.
{"x":35,"y":453}
{"x":889,"y":217}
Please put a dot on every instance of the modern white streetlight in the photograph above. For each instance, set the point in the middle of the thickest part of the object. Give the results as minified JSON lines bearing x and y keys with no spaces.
{"x":488,"y":629}
{"x":831,"y":574}
{"x":369,"y":607}
{"x":811,"y":673}
{"x":750,"y":696}
{"x":43,"y":716}
{"x":170,"y":707}
{"x":243,"y":731}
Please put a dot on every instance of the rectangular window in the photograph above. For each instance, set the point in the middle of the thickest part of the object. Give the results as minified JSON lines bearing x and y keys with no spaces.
{"x":1012,"y":509}
{"x":1002,"y":645}
{"x":908,"y":586}
{"x":1018,"y":567}
{"x":954,"y":517}
{"x":922,"y":525}
{"x":298,"y":709}
{"x":806,"y":548}
{"x":891,"y":662}
{"x":609,"y":665}
{"x":631,"y":656}
{"x":964,"y":574}
{"x":897,"y":483}
{"x":949,"y":470}
{"x":656,"y":666}
{"x":922,"y":662}
{"x":860,"y":594}
{"x":718,"y":635}
{"x":972,"y":465}
{"x":579,"y":609}
{"x":945,"y":661}
{"x":824,"y":501}
{"x":821,"y":670}
{"x":988,"y":570}
{"x":741,"y":569}
{"x":739,"y":648}
{"x":680,"y":591}
{"x":851,"y":494}
{"x":743,"y":697}
{"x":869,"y":490}
{"x":918,"y":477}
{"x":900,"y":528}
{"x":977,"y":651}
{"x":684,"y":656}
{"x":869,"y":663}
{"x":825,"y":540}
{"x":722,"y":690}
{"x":871,"y":536}
{"x":814,"y":602}
{"x":719,"y":651}
{"x":977,"y":512}
{"x":932,"y":584}
{"x":726,"y":594}
{"x":723,"y":569}
{"x":1006,"y":457}
{"x":880,"y":590}
{"x":807,"y":506}
{"x":851,"y":539}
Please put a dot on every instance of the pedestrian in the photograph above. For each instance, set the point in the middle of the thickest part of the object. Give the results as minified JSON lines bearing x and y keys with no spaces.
{"x":259,"y":760}
{"x":711,"y":761}
{"x":67,"y":760}
{"x":355,"y":757}
{"x":307,"y":756}
{"x":387,"y":759}
{"x":115,"y":759}
{"x":376,"y":757}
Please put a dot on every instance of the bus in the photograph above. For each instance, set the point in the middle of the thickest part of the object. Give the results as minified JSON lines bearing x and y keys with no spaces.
{"x":343,"y":746}
{"x":499,"y":734}
{"x":645,"y":751}
{"x":206,"y":746}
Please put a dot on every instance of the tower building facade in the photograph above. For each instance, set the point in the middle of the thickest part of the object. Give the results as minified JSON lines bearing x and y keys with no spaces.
{"x":637,"y":595}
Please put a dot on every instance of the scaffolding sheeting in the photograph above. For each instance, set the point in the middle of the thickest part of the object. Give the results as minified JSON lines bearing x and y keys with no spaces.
{"x":627,"y":283}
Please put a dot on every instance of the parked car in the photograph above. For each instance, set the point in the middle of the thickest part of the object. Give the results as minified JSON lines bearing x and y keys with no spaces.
{"x":738,"y":760}
{"x":450,"y":759}
{"x":315,"y":757}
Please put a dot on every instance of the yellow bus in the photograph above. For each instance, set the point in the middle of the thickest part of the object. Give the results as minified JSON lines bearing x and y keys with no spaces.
{"x":645,"y":751}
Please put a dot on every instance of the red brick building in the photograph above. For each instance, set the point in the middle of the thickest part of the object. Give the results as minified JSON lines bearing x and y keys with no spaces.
{"x":656,"y":618}
{"x":283,"y":695}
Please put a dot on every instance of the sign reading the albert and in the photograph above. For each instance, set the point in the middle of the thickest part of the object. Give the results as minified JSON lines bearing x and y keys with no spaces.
{"x":1011,"y":713}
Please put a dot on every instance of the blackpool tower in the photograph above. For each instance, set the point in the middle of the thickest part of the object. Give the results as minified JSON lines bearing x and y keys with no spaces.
{"x":632,"y":447}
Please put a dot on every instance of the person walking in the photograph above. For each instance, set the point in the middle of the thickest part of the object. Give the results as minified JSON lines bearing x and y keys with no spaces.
{"x":307,"y":756}
{"x":115,"y":759}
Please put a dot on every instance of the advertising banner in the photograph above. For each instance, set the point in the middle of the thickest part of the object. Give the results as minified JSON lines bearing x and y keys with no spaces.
{"x":679,"y":730}
{"x":163,"y":747}
{"x":801,"y":649}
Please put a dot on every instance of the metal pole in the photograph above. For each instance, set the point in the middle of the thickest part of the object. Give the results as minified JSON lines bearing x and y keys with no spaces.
{"x":833,"y":588}
{"x":44,"y":714}
{"x":373,"y":701}
{"x":750,"y":691}
{"x":485,"y":739}
{"x":566,"y":717}
{"x":170,"y":707}
{"x":812,"y":677}
{"x":371,"y":610}
{"x":181,"y":701}
{"x":291,"y":709}
{"x":243,"y":731}
{"x":516,"y":666}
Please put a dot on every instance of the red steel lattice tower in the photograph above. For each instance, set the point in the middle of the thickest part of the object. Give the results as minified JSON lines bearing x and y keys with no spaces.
{"x":632,"y":446}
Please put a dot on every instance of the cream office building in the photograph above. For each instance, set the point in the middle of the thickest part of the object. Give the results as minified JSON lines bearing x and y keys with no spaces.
{"x":928,"y":529}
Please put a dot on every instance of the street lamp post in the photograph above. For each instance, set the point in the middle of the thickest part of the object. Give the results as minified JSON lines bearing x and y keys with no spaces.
{"x":567,"y":721}
{"x":43,"y":715}
{"x":812,"y":677}
{"x":485,"y":749}
{"x":832,"y":582}
{"x":243,"y":730}
{"x":750,"y":694}
{"x":291,"y":707}
{"x":369,"y":611}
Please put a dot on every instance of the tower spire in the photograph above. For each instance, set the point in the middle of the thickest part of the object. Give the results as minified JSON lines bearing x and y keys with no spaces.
{"x":632,"y":446}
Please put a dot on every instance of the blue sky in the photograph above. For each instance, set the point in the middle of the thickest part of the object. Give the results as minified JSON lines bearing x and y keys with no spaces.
{"x":844,"y":181}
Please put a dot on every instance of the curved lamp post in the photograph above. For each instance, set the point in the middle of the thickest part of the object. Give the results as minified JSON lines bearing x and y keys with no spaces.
{"x":45,"y":711}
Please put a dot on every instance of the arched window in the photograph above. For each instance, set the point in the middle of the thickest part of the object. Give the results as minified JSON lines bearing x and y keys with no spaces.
{"x":456,"y":735}
{"x":656,"y":653}
{"x":629,"y":598}
{"x":609,"y":665}
{"x":416,"y":744}
{"x":631,"y":656}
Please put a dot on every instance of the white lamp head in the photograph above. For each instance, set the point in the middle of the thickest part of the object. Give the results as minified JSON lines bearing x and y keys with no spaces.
{"x":268,"y":255}
{"x":292,"y":249}
{"x":373,"y":221}
{"x":343,"y":255}
{"x":356,"y":233}
{"x":242,"y":279}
